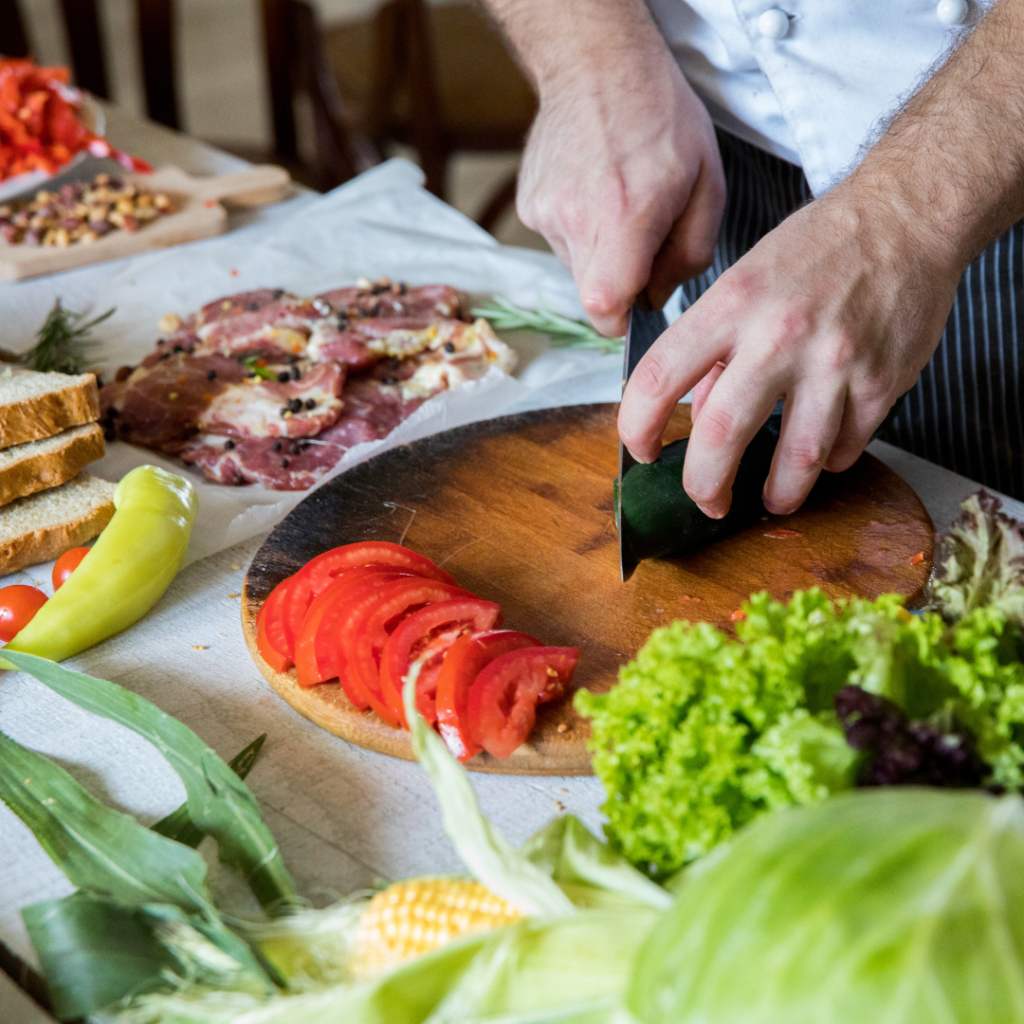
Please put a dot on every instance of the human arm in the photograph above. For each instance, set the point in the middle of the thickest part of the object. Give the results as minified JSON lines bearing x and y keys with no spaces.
{"x":621,"y":172}
{"x":840,"y":308}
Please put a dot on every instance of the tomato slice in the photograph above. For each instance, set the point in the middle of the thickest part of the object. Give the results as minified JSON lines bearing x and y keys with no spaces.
{"x":466,"y":658}
{"x":427,"y":635}
{"x":317,"y":656}
{"x":372,"y":620}
{"x":320,"y":571}
{"x":270,"y":634}
{"x":504,"y":697}
{"x":18,"y":606}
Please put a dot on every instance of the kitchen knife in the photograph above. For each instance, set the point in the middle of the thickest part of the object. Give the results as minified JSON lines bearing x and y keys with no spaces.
{"x":646,"y":324}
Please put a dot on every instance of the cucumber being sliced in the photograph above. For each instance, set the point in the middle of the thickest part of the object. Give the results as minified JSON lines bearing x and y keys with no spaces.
{"x":660,"y":518}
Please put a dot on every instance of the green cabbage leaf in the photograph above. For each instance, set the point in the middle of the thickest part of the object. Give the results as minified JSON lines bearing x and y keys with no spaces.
{"x":902,"y":906}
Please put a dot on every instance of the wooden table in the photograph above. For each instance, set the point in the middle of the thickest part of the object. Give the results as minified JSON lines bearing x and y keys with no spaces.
{"x":344,"y":817}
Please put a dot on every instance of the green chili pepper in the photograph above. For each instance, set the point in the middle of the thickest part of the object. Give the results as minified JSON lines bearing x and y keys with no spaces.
{"x":124,"y":574}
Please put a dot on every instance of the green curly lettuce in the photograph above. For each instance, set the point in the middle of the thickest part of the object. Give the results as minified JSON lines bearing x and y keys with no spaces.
{"x":706,"y":732}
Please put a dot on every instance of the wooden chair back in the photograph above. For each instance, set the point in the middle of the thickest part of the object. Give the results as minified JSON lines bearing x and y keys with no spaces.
{"x":88,"y":51}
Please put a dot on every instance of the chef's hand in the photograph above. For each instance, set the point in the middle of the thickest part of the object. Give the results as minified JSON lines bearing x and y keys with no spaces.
{"x":837,"y":311}
{"x":622,"y":174}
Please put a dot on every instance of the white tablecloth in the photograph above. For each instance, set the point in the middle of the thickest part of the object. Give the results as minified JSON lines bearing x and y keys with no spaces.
{"x":344,"y":817}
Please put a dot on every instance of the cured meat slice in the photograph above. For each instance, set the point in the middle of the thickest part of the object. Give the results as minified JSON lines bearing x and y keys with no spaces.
{"x":260,"y":408}
{"x":457,"y":352}
{"x":280,"y":465}
{"x":360,"y":343}
{"x":159,"y":403}
{"x":371,"y":411}
{"x":428,"y":301}
{"x":256,"y":323}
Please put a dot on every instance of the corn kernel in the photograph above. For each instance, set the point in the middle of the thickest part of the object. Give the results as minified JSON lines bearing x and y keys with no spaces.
{"x":418,"y":916}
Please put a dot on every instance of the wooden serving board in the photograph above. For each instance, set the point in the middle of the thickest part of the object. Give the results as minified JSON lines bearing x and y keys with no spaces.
{"x":199,"y":212}
{"x":519,"y":511}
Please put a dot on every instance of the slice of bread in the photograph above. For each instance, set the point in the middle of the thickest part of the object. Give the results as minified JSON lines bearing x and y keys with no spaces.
{"x":37,"y":405}
{"x":43,"y":526}
{"x":37,"y":465}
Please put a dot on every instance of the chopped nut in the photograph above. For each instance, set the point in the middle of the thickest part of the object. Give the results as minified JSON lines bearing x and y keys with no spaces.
{"x":233,"y":596}
{"x":562,"y":727}
{"x":199,"y":647}
{"x":169,"y":323}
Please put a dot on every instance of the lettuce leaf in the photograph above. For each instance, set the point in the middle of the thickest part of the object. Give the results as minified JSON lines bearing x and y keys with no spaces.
{"x":896,"y":905}
{"x":980,"y":563}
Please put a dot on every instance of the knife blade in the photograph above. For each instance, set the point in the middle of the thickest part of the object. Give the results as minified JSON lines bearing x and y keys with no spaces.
{"x":646,"y":325}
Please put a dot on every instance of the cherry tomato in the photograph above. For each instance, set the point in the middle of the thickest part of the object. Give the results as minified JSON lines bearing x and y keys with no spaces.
{"x":504,"y":696}
{"x":427,"y":635}
{"x":270,"y":635}
{"x":370,"y":620}
{"x":18,"y":607}
{"x":465,"y":660}
{"x":66,"y":565}
{"x":317,"y":657}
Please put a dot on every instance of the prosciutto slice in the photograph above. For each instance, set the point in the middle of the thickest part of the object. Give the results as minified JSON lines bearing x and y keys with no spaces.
{"x":161,"y":401}
{"x":260,"y":408}
{"x":265,"y":322}
{"x":429,"y":301}
{"x":371,"y":411}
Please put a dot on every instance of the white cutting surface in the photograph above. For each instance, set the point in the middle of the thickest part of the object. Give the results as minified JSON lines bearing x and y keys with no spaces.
{"x":344,"y":817}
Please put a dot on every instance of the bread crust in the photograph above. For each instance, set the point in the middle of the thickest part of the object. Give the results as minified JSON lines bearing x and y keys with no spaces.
{"x":51,"y":469}
{"x":45,"y":545}
{"x":32,"y":419}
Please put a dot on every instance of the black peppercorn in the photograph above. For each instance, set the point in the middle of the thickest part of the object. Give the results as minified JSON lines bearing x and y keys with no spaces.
{"x":449,"y":346}
{"x":177,"y":348}
{"x":310,"y":403}
{"x":343,"y":321}
{"x":277,"y":293}
{"x":295,"y":405}
{"x":211,"y":374}
{"x":390,"y":380}
{"x":296,"y":374}
{"x":284,"y":463}
{"x":228,"y":445}
{"x":254,"y":307}
{"x":112,"y":413}
{"x":283,"y":377}
{"x":277,"y":446}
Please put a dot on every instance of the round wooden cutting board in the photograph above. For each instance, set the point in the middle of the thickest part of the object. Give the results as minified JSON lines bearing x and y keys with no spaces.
{"x":519,"y":511}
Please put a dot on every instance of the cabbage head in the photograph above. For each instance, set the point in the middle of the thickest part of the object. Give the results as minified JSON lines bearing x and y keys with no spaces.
{"x":889,"y":906}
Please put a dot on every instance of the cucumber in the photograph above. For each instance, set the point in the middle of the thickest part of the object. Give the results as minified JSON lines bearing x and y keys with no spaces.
{"x":660,"y":518}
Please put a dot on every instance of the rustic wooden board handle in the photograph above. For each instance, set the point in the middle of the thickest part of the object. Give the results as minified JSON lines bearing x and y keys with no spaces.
{"x":256,"y":186}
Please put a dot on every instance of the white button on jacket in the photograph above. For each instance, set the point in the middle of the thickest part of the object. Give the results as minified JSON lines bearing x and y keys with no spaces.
{"x":774,"y":24}
{"x":819,"y":92}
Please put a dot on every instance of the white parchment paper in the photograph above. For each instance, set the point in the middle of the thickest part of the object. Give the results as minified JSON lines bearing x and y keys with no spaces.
{"x":383,"y":223}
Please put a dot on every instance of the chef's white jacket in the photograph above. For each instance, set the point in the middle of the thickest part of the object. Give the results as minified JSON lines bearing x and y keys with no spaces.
{"x":813,"y":81}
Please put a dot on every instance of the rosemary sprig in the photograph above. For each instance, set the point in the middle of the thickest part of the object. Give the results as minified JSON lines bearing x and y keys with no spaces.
{"x":62,"y":341}
{"x":506,"y":316}
{"x":256,"y":367}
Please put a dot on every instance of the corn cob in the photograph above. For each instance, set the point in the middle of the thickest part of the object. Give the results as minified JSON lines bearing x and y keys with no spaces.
{"x":419,"y":915}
